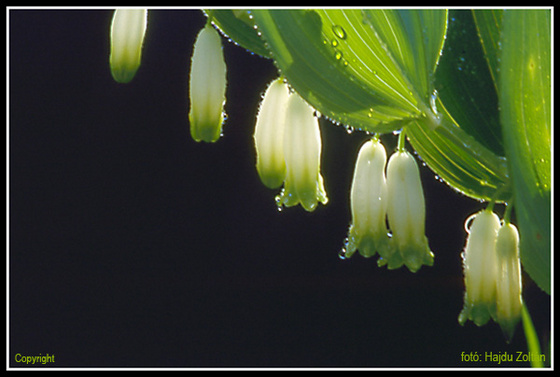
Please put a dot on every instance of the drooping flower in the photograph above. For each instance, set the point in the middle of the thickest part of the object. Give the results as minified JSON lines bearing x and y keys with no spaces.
{"x":368,"y":202}
{"x":302,"y":154}
{"x":480,"y":268}
{"x":207,"y":90}
{"x":406,"y":212}
{"x":127,"y":36}
{"x":508,"y":288}
{"x":269,"y":134}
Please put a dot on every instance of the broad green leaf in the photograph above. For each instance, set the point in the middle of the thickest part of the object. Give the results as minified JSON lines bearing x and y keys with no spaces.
{"x":237,"y":25}
{"x":465,"y":85}
{"x":413,"y":39}
{"x":367,"y":69}
{"x":525,"y":94}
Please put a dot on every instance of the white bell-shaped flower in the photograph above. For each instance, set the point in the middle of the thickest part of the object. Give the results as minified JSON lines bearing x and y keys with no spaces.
{"x":508,"y":288}
{"x":368,"y":202}
{"x":480,"y":268}
{"x":269,"y":134}
{"x":207,"y":90}
{"x":302,"y":154}
{"x":406,"y":212}
{"x":127,"y":36}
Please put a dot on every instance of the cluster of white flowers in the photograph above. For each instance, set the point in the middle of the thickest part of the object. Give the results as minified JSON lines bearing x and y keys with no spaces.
{"x":396,"y":197}
{"x":288,"y":143}
{"x":492,"y":272}
{"x":386,"y":199}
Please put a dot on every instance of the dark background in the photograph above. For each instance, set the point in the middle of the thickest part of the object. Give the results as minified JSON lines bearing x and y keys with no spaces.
{"x":131,"y":245}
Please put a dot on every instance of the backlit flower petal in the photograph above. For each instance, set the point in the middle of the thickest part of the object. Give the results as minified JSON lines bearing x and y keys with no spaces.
{"x":127,"y":35}
{"x":480,"y":268}
{"x":302,"y":153}
{"x":406,"y":213}
{"x":269,"y":134}
{"x":368,"y":201}
{"x":508,"y":289}
{"x":207,"y":90}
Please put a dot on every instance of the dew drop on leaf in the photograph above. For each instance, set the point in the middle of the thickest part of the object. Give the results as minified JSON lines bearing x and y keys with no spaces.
{"x":339,"y":31}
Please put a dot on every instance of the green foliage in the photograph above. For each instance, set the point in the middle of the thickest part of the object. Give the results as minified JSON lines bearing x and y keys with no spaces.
{"x":525,"y":89}
{"x":472,"y":89}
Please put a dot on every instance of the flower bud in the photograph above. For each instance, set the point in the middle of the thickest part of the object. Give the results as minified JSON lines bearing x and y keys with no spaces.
{"x":269,"y":134}
{"x":207,"y":89}
{"x":406,"y":213}
{"x":302,"y":153}
{"x":368,"y":201}
{"x":480,"y":268}
{"x":508,"y":289}
{"x":127,"y":35}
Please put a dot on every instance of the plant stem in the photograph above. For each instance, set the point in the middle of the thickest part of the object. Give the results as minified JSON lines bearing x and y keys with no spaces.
{"x":532,"y":338}
{"x":402,"y":138}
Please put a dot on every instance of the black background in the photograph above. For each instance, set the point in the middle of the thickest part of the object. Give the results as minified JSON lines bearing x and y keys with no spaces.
{"x":131,"y":245}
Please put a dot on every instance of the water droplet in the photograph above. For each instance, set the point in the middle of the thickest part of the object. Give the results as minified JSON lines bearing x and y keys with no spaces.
{"x":278,"y":200}
{"x":334,"y":43}
{"x":468,"y":222}
{"x":339,"y":31}
{"x":338,"y":55}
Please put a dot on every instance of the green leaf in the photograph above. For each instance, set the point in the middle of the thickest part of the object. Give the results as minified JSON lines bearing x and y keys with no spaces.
{"x":238,"y":25}
{"x":368,"y":69}
{"x":488,"y":24}
{"x":413,"y":39}
{"x":465,"y":149}
{"x":525,"y":93}
{"x":465,"y":85}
